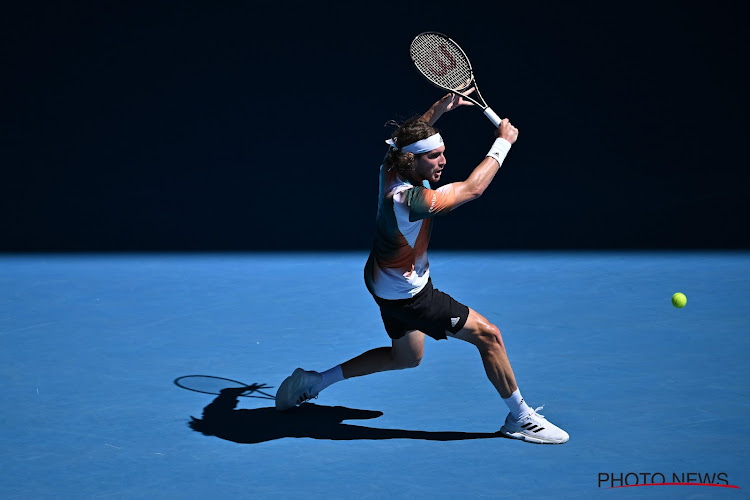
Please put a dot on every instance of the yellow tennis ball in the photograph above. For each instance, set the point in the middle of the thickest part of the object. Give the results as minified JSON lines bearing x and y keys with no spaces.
{"x":679,"y":300}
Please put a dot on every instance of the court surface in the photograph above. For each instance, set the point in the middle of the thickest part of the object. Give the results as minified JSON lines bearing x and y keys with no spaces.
{"x":90,"y":346}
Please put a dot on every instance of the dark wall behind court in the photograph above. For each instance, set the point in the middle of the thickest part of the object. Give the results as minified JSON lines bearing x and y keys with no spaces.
{"x":254,"y":126}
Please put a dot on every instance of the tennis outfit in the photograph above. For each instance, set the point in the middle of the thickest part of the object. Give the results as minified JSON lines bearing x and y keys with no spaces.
{"x":397,"y":272}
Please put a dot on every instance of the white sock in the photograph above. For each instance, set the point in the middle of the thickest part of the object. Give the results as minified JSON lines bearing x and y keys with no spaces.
{"x":330,"y":377}
{"x":516,"y":404}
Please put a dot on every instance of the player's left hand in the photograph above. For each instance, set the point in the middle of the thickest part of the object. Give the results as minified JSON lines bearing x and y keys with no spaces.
{"x":452,"y":101}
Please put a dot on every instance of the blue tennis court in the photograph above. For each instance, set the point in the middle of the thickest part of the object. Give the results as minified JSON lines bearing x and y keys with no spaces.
{"x":90,"y":347}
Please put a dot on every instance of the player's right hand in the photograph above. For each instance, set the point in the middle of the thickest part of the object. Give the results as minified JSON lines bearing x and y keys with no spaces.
{"x":507,"y":131}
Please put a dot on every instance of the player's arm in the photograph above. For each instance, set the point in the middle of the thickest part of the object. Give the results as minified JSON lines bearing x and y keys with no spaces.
{"x":448,"y":103}
{"x":473,"y":187}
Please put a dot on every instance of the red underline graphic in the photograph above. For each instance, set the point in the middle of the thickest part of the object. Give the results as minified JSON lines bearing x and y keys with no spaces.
{"x":677,"y":484}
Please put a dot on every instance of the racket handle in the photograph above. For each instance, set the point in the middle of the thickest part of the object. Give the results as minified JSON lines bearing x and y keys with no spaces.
{"x":492,"y":116}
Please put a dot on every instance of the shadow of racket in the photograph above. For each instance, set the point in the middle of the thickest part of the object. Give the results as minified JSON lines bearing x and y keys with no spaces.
{"x":208,"y":384}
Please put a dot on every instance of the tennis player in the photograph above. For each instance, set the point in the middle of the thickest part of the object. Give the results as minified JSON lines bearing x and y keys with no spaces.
{"x":397,"y":274}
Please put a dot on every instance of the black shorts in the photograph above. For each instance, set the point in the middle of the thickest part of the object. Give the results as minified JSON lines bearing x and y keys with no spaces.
{"x":430,"y":311}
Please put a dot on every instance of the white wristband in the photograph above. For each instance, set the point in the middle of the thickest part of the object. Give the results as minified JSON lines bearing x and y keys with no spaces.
{"x":499,"y":150}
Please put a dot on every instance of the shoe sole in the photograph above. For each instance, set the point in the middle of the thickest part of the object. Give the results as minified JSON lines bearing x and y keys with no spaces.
{"x":529,"y":439}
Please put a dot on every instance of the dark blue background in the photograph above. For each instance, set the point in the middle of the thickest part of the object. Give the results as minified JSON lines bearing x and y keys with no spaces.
{"x":242,"y":126}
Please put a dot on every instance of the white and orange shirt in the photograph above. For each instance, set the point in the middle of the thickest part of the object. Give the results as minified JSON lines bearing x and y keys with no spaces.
{"x":398,"y":267}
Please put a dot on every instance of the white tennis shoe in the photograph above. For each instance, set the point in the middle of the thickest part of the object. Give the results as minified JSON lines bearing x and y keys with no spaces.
{"x":534,"y":428}
{"x":297,"y":388}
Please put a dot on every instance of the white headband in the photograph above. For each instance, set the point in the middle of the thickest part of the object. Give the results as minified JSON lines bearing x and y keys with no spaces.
{"x":432,"y":142}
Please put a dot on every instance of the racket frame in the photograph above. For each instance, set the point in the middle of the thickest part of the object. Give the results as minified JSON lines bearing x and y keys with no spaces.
{"x":488,"y":112}
{"x":249,"y":388}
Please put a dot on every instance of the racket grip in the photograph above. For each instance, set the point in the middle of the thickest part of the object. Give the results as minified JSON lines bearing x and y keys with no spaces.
{"x":492,"y":116}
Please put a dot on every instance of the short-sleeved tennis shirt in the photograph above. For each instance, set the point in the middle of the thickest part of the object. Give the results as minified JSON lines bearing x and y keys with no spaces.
{"x":398,"y":267}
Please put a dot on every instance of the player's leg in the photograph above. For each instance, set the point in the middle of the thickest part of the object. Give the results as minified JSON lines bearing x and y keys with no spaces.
{"x":487,"y":339}
{"x":405,"y":352}
{"x":302,"y":385}
{"x":522,"y":422}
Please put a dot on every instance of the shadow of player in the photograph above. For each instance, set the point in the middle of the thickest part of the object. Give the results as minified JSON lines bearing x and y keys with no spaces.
{"x":221,"y":419}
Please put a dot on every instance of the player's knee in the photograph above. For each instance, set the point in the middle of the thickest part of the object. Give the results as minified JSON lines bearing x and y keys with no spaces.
{"x":414,"y":362}
{"x":490,"y":338}
{"x":411,"y":361}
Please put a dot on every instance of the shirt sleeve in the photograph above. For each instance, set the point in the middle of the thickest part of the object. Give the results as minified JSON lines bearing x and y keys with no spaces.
{"x":424,"y":202}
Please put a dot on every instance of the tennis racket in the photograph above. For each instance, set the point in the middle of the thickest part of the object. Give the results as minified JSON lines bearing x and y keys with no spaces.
{"x":445,"y":65}
{"x":208,"y":384}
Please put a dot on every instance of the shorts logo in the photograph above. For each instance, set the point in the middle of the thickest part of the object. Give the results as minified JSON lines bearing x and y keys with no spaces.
{"x":454,"y":321}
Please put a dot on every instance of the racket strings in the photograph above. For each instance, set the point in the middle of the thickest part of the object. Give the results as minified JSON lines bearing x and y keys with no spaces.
{"x":441,"y":62}
{"x":208,"y":384}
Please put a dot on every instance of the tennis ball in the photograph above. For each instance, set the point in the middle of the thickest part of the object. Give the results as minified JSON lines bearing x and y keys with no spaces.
{"x":679,"y":300}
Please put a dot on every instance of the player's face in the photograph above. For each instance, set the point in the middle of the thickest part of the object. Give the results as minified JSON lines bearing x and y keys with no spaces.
{"x":430,"y":165}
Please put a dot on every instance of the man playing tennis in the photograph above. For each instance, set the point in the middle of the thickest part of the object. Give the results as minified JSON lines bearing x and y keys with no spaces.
{"x":397,"y":274}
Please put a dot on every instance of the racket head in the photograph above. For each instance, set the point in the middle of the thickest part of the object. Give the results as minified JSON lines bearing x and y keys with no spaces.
{"x":442,"y":61}
{"x":208,"y":384}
